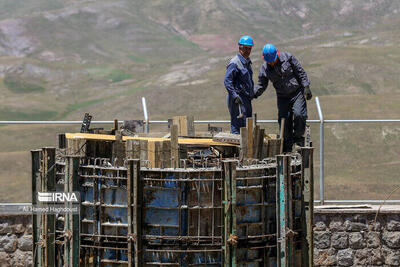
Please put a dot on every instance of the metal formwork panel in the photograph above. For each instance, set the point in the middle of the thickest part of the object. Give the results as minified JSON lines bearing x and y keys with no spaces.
{"x":185,"y":216}
{"x":182,"y":206}
{"x":255,"y":216}
{"x":189,"y":256}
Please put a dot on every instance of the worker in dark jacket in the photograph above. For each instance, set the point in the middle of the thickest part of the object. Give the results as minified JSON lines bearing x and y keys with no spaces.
{"x":292,"y":89}
{"x":239,"y":84}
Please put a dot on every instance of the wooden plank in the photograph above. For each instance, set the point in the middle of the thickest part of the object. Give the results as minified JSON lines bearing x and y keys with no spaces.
{"x":188,"y":141}
{"x":158,"y":154}
{"x":227,"y":138}
{"x":243,"y":143}
{"x":190,"y":126}
{"x":61,"y":140}
{"x":49,"y":174}
{"x":36,"y":220}
{"x":151,"y":153}
{"x":307,"y":206}
{"x":174,"y":146}
{"x":166,"y":154}
{"x":261,"y":144}
{"x":249,"y":125}
{"x":256,"y":141}
{"x":118,"y":150}
{"x":185,"y":125}
{"x":143,"y":152}
{"x":76,"y":147}
{"x":129,"y":149}
{"x":282,"y":135}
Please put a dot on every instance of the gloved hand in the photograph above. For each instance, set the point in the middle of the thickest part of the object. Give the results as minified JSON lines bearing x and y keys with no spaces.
{"x":258,"y":93}
{"x":307,"y":92}
{"x":238,"y":101}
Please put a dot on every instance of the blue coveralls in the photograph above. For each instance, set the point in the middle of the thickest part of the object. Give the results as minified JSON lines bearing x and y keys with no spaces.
{"x":239,"y":82}
{"x":289,"y":79}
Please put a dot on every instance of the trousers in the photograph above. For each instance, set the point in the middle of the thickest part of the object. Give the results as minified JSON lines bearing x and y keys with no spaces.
{"x":237,"y":123}
{"x":294,"y":110}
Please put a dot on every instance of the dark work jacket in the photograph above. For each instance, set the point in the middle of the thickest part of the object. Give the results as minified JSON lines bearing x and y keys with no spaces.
{"x":287,"y":76}
{"x":239,"y":77}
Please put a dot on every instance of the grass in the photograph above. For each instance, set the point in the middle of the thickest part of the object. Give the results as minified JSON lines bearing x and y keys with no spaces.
{"x":118,"y":75}
{"x":6,"y":114}
{"x":18,"y":84}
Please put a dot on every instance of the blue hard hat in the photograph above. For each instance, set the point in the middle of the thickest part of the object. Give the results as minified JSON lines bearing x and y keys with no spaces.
{"x":246,"y":40}
{"x":270,"y":53}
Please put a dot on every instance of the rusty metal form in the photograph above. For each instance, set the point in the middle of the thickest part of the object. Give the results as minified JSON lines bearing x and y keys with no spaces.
{"x":307,"y":212}
{"x":104,"y":213}
{"x":224,"y":215}
{"x":36,"y":220}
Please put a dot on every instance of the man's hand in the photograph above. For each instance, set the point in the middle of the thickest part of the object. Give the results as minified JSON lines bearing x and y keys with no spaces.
{"x":238,"y":101}
{"x":258,"y":93}
{"x":307,"y":92}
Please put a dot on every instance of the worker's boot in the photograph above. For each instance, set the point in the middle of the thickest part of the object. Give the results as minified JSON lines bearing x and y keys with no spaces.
{"x":298,"y":145}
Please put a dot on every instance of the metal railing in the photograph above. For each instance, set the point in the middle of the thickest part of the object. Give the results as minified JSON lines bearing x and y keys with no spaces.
{"x":321,"y":121}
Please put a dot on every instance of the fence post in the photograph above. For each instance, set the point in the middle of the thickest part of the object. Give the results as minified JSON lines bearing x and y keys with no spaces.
{"x":321,"y":152}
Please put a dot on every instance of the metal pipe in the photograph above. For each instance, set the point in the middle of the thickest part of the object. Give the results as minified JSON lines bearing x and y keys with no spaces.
{"x":198,"y":122}
{"x":321,"y":152}
{"x":361,"y":121}
{"x":55,"y":122}
{"x":146,"y":117}
{"x":375,"y":201}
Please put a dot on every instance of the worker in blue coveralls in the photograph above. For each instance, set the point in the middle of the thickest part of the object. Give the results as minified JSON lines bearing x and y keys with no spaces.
{"x":292,"y":89}
{"x":239,"y":84}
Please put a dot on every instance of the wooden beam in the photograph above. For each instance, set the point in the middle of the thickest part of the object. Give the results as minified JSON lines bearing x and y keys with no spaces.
{"x":256,"y":141}
{"x":185,"y":125}
{"x":118,"y":150}
{"x":249,"y":125}
{"x":261,"y":144}
{"x":282,"y":135}
{"x":151,"y":153}
{"x":143,"y":152}
{"x":174,"y":146}
{"x":243,"y":143}
{"x":166,"y":154}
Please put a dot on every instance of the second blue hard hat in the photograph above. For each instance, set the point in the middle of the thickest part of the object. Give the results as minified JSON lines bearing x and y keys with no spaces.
{"x":246,"y":40}
{"x":270,"y":53}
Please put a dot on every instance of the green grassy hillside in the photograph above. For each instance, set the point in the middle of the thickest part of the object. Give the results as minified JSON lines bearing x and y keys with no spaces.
{"x":60,"y":59}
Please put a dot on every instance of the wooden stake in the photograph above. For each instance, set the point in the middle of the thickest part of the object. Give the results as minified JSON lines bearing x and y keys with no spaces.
{"x":249,"y":124}
{"x":243,"y":143}
{"x":174,"y":146}
{"x":282,"y":135}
